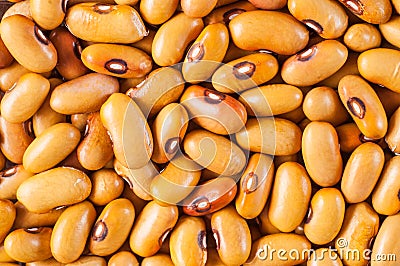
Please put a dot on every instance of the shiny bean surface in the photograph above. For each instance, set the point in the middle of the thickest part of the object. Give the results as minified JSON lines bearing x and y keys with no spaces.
{"x":362,"y":37}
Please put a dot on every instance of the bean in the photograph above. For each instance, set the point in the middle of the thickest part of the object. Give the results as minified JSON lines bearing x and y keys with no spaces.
{"x":26,"y":219}
{"x":27,"y":245}
{"x":54,"y":188}
{"x":357,"y":180}
{"x":7,"y":217}
{"x":325,"y":216}
{"x":88,"y":261}
{"x":10,"y":179}
{"x":176,"y":181}
{"x":213,"y":258}
{"x":269,"y":30}
{"x":119,"y":114}
{"x":80,"y":121}
{"x":371,"y":11}
{"x":226,"y":13}
{"x":291,"y":181}
{"x":255,"y":186}
{"x":69,"y":49}
{"x":116,"y":60}
{"x":203,"y":56}
{"x":349,"y":137}
{"x":313,"y":65}
{"x":95,"y":149}
{"x":232,"y":236}
{"x":188,"y":242}
{"x":68,"y":240}
{"x":321,"y":154}
{"x":385,"y":198}
{"x":193,"y":8}
{"x":214,"y":152}
{"x":363,"y":105}
{"x":158,"y":259}
{"x":214,"y":111}
{"x":10,"y":75}
{"x":106,"y":186}
{"x":323,"y":104}
{"x":210,"y":196}
{"x":17,"y":31}
{"x":169,"y":128}
{"x":5,"y":57}
{"x":324,"y":257}
{"x":264,"y":223}
{"x":173,"y":37}
{"x":18,"y":139}
{"x":387,"y":240}
{"x":359,"y":227}
{"x":91,"y":22}
{"x":269,"y":4}
{"x":5,"y":258}
{"x":108,"y":233}
{"x":270,"y":136}
{"x":94,"y":89}
{"x":362,"y":37}
{"x":48,"y":262}
{"x":384,"y":75}
{"x":282,"y":241}
{"x":48,"y":14}
{"x":162,"y":87}
{"x":157,"y":11}
{"x":327,"y":18}
{"x":245,"y":72}
{"x":123,"y":258}
{"x":151,"y":228}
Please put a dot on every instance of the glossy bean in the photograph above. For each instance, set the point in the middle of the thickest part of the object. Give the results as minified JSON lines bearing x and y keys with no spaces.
{"x":27,"y":245}
{"x":359,"y":227}
{"x":364,"y":106}
{"x":158,"y":259}
{"x":54,"y":188}
{"x":10,"y":179}
{"x":69,"y":49}
{"x":93,"y":90}
{"x":91,"y":22}
{"x":281,"y":98}
{"x":48,"y":14}
{"x":371,"y":11}
{"x":48,"y":262}
{"x":264,"y":223}
{"x":325,"y":216}
{"x":10,"y":75}
{"x":106,"y":186}
{"x":19,"y":7}
{"x":157,"y":11}
{"x":125,"y":258}
{"x":108,"y":233}
{"x":7,"y":217}
{"x":27,"y":219}
{"x":210,"y":196}
{"x":214,"y":111}
{"x":88,"y":261}
{"x":162,"y":87}
{"x":385,"y":198}
{"x":321,"y":154}
{"x":255,"y":186}
{"x":323,"y":104}
{"x":232,"y":236}
{"x":151,"y":228}
{"x":203,"y":56}
{"x":269,"y":30}
{"x":196,"y":9}
{"x":362,"y":37}
{"x":188,"y":242}
{"x":16,"y":32}
{"x":291,"y":181}
{"x":350,"y":137}
{"x":71,"y":231}
{"x":116,"y":60}
{"x":245,"y":73}
{"x":95,"y":149}
{"x":226,"y":13}
{"x":269,"y":4}
{"x":119,"y":115}
{"x":327,"y":18}
{"x":313,"y":64}
{"x":324,"y":257}
{"x":6,"y":58}
{"x":271,"y":136}
{"x":386,"y":75}
{"x":214,"y":152}
{"x":387,"y":241}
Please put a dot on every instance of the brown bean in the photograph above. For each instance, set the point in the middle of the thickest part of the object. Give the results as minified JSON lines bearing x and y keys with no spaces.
{"x":93,"y":90}
{"x":371,"y":11}
{"x":95,"y":149}
{"x":210,"y":196}
{"x":350,"y":137}
{"x":197,"y":9}
{"x":361,"y":37}
{"x":91,"y":22}
{"x":321,"y":154}
{"x":10,"y":179}
{"x":7,"y":217}
{"x":106,"y":186}
{"x":5,"y":259}
{"x":48,"y":14}
{"x":27,"y":245}
{"x":18,"y":31}
{"x":10,"y":75}
{"x":255,"y":186}
{"x":214,"y":111}
{"x":5,"y":57}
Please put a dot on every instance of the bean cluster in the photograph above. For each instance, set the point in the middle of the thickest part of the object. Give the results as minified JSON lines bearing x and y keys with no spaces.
{"x":167,"y":132}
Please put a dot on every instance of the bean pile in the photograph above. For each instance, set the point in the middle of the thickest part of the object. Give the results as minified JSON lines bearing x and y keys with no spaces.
{"x":166,"y":132}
